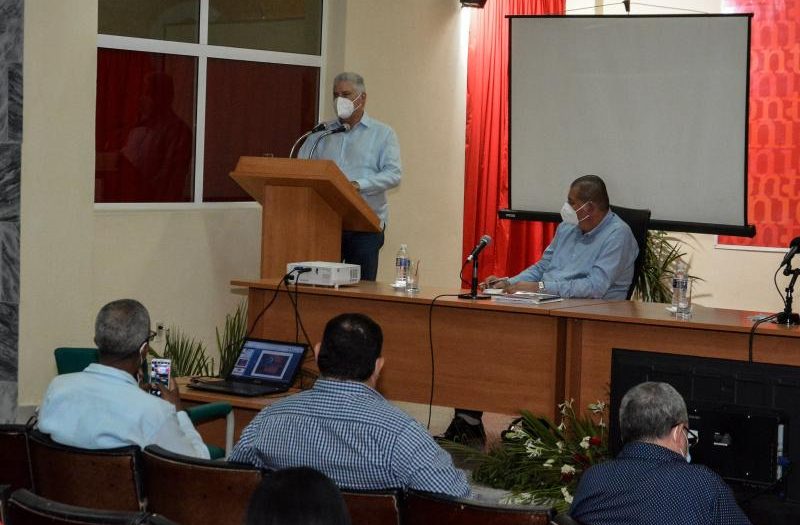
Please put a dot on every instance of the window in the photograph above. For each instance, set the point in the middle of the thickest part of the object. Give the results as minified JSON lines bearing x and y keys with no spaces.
{"x":184,"y":88}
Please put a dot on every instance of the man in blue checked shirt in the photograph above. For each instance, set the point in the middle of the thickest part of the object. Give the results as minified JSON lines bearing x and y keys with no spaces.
{"x":344,"y":428}
{"x":369,"y":156}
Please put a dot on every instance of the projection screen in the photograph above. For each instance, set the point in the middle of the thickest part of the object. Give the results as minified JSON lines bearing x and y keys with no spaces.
{"x":655,"y":105}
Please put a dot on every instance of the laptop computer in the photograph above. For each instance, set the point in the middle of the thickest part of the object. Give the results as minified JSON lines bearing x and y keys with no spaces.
{"x":263,"y":367}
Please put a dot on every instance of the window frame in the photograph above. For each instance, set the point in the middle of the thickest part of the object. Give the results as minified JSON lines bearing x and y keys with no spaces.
{"x":202,"y":50}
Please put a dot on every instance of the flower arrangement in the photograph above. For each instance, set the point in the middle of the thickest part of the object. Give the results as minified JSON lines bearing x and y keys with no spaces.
{"x":539,"y":462}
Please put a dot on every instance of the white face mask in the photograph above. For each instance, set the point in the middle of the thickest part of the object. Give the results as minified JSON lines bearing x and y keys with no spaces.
{"x":345,"y":107}
{"x":569,"y":215}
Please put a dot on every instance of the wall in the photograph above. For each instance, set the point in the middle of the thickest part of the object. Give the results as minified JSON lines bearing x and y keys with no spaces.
{"x":413,"y":61}
{"x":74,"y":259}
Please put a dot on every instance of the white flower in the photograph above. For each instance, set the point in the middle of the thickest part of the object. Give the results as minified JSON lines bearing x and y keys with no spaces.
{"x":565,"y":407}
{"x":560,"y":445}
{"x":549,"y":462}
{"x":602,"y":423}
{"x":516,"y":433}
{"x":567,"y":469}
{"x":597,"y":408}
{"x":567,"y":495}
{"x":585,"y":443}
{"x":532,"y":450}
{"x":562,"y":426}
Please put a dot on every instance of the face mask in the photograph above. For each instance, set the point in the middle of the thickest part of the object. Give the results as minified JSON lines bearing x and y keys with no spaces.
{"x":569,"y":215}
{"x":345,"y":107}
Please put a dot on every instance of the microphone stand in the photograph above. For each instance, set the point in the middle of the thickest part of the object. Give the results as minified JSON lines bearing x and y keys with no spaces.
{"x":473,"y":291}
{"x":786,"y":317}
{"x":296,"y":142}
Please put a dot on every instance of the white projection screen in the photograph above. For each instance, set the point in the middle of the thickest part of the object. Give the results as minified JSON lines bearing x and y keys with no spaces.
{"x":655,"y":105}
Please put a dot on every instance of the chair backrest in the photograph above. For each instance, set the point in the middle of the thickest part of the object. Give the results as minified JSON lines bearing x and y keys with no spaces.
{"x":26,"y":508}
{"x":373,"y":507}
{"x":422,"y":508}
{"x":69,"y":360}
{"x":565,"y":519}
{"x":189,"y":490}
{"x":100,"y":479}
{"x":639,"y":221}
{"x":15,"y":468}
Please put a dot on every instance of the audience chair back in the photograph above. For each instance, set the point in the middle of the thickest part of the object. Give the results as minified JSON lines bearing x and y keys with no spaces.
{"x":639,"y":222}
{"x":70,"y":360}
{"x":100,"y":479}
{"x":565,"y":519}
{"x":433,"y":509}
{"x":373,"y":507}
{"x":14,"y":463}
{"x":190,"y":490}
{"x":26,"y":508}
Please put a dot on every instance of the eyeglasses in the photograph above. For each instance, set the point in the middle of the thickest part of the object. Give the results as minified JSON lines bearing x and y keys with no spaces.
{"x":150,"y":336}
{"x":692,"y":436}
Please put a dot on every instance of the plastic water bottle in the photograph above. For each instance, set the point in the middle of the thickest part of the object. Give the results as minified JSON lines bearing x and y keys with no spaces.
{"x":680,"y":283}
{"x":401,"y":262}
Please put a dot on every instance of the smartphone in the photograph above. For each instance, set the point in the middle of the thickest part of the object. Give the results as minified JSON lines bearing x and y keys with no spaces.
{"x":159,"y":375}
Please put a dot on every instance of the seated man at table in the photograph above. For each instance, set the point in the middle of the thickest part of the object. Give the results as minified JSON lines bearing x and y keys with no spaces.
{"x":344,"y":428}
{"x":651,"y":480}
{"x":104,"y":406}
{"x":591,"y":256}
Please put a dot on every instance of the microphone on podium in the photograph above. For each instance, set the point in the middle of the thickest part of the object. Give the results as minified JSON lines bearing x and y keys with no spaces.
{"x":322,"y":126}
{"x":340,"y":129}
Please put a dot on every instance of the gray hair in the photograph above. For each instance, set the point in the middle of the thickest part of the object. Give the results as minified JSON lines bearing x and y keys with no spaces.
{"x":121,"y":327}
{"x":649,"y":411}
{"x":592,"y":188}
{"x":354,"y":78}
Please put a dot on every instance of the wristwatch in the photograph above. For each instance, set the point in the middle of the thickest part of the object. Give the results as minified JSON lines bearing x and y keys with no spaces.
{"x":541,"y":286}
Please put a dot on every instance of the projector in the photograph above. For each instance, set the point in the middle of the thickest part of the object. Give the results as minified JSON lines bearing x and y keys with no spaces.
{"x":324,"y":273}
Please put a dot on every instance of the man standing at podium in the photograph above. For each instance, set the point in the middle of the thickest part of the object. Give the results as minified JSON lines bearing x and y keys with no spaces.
{"x":369,"y":156}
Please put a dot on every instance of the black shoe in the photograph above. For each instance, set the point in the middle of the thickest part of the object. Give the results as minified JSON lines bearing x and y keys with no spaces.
{"x":462,"y":432}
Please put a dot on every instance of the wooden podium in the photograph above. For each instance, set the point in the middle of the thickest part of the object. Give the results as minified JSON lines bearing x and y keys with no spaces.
{"x":305,"y":206}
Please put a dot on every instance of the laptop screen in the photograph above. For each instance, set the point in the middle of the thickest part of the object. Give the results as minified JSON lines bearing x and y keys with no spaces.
{"x":268,"y":361}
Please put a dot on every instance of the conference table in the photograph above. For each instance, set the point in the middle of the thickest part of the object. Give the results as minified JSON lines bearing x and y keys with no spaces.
{"x":489,"y":356}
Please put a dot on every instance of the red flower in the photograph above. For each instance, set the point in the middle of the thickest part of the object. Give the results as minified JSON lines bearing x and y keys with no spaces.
{"x":595,"y":441}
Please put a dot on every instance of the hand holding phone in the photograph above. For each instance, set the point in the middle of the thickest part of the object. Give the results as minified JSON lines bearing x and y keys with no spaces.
{"x":160,"y":373}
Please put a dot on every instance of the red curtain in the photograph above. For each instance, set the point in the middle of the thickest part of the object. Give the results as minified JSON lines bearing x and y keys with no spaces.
{"x":516,"y":244}
{"x":774,"y":148}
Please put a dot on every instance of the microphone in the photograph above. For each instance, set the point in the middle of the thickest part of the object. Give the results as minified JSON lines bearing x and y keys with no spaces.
{"x":483,"y":243}
{"x":793,"y":247}
{"x":322,"y":126}
{"x":340,"y":129}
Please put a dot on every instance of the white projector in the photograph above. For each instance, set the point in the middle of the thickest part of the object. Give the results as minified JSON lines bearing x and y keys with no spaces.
{"x":324,"y":273}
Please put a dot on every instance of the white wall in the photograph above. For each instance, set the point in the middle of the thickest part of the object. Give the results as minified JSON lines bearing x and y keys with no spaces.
{"x":413,"y":62}
{"x":57,"y":222}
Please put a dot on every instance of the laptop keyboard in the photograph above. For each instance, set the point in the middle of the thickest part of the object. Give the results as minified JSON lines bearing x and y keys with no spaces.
{"x":233,"y":387}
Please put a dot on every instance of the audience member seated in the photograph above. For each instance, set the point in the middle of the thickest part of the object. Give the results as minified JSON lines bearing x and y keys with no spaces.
{"x":652,"y":481}
{"x":345,"y":428}
{"x":297,"y":495}
{"x":105,"y":407}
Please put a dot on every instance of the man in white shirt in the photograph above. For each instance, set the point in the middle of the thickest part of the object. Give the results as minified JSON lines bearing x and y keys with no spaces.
{"x":104,"y":406}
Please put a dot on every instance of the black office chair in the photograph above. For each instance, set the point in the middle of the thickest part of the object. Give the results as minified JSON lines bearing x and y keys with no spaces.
{"x":639,"y":221}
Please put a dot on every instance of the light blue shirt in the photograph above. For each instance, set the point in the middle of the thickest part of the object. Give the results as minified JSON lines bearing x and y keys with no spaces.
{"x":598,"y":264}
{"x":103,"y":407}
{"x":348,"y":431}
{"x":368,"y":154}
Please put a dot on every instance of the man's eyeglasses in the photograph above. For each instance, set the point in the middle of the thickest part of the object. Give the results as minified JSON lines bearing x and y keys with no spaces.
{"x":692,"y":436}
{"x":150,"y":336}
